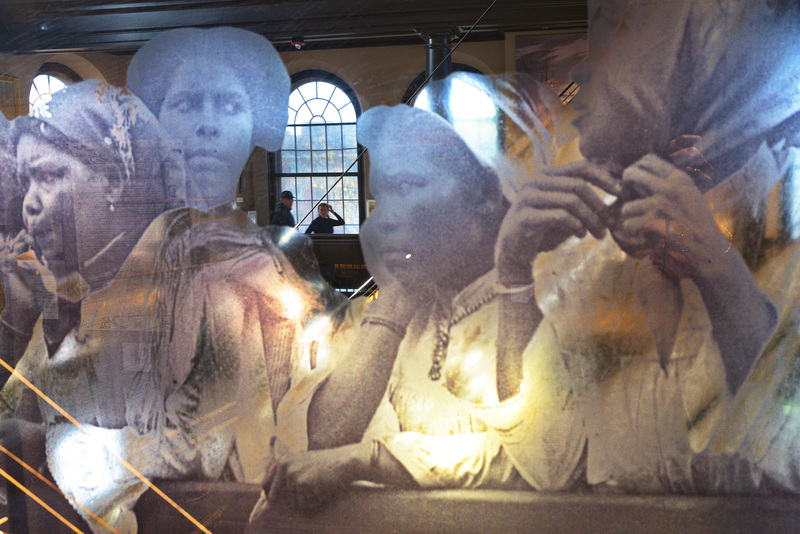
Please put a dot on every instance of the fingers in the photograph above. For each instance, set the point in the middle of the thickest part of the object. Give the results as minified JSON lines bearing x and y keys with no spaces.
{"x":652,"y":175}
{"x":570,"y":195}
{"x":683,"y":141}
{"x":589,"y":172}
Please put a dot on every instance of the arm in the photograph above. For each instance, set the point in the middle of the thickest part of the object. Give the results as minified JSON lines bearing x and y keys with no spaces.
{"x":339,"y":221}
{"x":670,"y":208}
{"x":343,"y":406}
{"x":312,"y":227}
{"x":557,"y":205}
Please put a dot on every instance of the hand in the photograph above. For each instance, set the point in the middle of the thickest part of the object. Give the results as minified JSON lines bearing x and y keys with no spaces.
{"x":22,"y":284}
{"x":683,"y":153}
{"x":668,"y":219}
{"x":307,"y":480}
{"x":554,"y":206}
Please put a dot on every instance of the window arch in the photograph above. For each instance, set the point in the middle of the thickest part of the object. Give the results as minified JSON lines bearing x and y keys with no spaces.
{"x":51,"y":78}
{"x":319,"y":158}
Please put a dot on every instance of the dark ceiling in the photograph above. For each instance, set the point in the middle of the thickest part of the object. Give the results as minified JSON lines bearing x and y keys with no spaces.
{"x":122,"y":26}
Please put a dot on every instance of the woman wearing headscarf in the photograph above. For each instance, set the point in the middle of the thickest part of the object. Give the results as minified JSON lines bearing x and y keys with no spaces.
{"x":661,"y":321}
{"x":451,"y":417}
{"x":169,"y":338}
{"x":218,"y":93}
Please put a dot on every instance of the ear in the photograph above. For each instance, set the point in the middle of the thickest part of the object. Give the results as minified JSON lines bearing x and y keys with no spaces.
{"x":114,"y":189}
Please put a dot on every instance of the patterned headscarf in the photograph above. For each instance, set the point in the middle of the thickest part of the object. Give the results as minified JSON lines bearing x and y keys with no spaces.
{"x":726,"y":70}
{"x":113,"y":132}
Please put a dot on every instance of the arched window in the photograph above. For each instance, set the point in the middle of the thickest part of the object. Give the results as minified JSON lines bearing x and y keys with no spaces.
{"x":319,"y":157}
{"x":51,"y":78}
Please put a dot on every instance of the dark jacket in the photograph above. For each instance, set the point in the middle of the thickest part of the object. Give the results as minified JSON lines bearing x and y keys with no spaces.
{"x":282,"y":216}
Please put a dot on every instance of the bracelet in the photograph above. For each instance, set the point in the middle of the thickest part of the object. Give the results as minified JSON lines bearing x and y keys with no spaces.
{"x":397,"y":328}
{"x":523,"y":293}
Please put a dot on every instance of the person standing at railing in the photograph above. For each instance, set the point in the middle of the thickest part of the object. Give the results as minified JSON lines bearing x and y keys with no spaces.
{"x":282,"y":215}
{"x":324,"y":224}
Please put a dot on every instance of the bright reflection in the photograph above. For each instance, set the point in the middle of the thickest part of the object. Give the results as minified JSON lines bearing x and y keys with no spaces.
{"x":42,"y":90}
{"x":292,"y":303}
{"x":471,"y":112}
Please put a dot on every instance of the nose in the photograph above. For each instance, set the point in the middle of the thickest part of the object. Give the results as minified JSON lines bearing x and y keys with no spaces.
{"x":208,"y":124}
{"x":31,"y":205}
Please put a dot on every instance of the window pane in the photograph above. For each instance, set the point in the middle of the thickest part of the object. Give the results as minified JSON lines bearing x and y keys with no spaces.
{"x":319,"y":161}
{"x":339,"y":99}
{"x":303,"y":188}
{"x":318,"y":188}
{"x":308,"y":91}
{"x":350,"y":187}
{"x":303,"y":161}
{"x":288,"y":162}
{"x":303,"y":136}
{"x":326,"y":90}
{"x":349,"y":157}
{"x":334,"y":137}
{"x":303,"y":115}
{"x":335,"y":161}
{"x":349,"y":136}
{"x":317,"y":107}
{"x":318,"y":140}
{"x":288,"y":139}
{"x":348,"y":113}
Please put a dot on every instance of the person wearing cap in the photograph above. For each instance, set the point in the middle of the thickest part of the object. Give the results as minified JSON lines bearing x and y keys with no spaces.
{"x":449,"y":418}
{"x":282,"y":215}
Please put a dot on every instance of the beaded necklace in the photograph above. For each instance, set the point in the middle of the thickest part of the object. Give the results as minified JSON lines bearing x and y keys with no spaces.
{"x":443,"y":327}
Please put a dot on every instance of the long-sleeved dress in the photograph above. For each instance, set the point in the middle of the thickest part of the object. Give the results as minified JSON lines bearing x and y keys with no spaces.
{"x":177,"y":365}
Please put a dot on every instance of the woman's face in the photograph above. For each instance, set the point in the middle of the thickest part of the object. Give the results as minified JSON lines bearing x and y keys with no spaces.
{"x":207,"y":110}
{"x":422,"y":230}
{"x":323,"y":210}
{"x":59,"y":187}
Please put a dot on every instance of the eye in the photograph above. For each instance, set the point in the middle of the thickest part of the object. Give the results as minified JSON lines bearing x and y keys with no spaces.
{"x":49,"y":174}
{"x":407,"y":185}
{"x":230,"y":104}
{"x":183,"y":103}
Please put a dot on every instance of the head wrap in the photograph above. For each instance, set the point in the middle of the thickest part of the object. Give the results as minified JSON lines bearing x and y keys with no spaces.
{"x":726,"y":70}
{"x":251,"y":57}
{"x":112,"y":132}
{"x":529,"y":127}
{"x":397,"y":134}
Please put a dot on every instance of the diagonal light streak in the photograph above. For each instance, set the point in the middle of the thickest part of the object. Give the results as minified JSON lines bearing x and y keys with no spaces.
{"x":44,"y":479}
{"x":43,"y":504}
{"x":122,"y":461}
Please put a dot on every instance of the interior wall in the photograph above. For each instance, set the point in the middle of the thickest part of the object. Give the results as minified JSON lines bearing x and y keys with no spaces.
{"x":378,"y":75}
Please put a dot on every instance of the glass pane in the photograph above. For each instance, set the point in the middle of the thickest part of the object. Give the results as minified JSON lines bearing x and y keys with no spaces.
{"x":349,"y":136}
{"x":318,"y":188}
{"x":303,"y":115}
{"x":303,"y":188}
{"x":350,"y":213}
{"x":325,"y":90}
{"x":349,"y":157}
{"x":303,"y":136}
{"x":317,"y":107}
{"x":287,"y":184}
{"x":288,"y":139}
{"x":319,"y":161}
{"x":318,"y":139}
{"x":303,"y":161}
{"x":334,"y":161}
{"x":348,"y":113}
{"x":350,"y":187}
{"x":334,"y":137}
{"x":288,"y":161}
{"x":308,"y":90}
{"x":339,"y":99}
{"x":295,"y":101}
